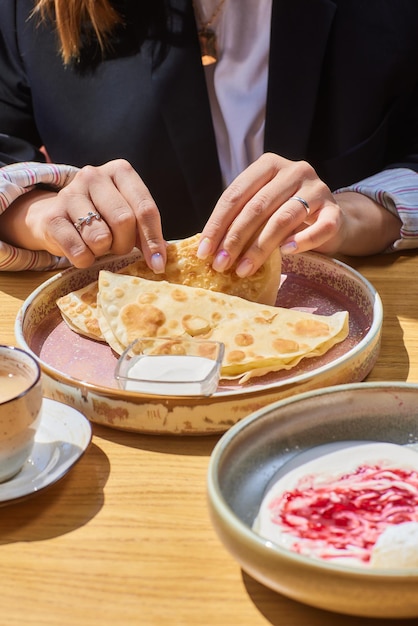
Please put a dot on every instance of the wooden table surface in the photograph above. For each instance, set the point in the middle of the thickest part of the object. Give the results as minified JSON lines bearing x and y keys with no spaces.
{"x":125,"y":538}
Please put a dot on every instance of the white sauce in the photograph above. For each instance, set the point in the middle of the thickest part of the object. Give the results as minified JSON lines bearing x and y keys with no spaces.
{"x":173,"y":375}
{"x":397,"y":547}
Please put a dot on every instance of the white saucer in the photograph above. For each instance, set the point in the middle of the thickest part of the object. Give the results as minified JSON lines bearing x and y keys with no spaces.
{"x":63,"y":436}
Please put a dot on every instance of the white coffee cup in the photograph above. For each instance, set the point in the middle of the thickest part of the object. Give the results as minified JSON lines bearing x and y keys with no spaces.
{"x":20,"y":408}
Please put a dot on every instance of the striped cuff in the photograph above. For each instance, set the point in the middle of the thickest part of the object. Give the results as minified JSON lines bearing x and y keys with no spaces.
{"x":397,"y":190}
{"x":16,"y":180}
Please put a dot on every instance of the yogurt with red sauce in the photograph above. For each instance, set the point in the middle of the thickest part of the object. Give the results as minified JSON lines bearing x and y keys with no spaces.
{"x":356,"y":506}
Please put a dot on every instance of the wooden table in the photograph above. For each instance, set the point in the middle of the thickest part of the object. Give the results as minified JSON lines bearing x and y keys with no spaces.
{"x":124,"y":538}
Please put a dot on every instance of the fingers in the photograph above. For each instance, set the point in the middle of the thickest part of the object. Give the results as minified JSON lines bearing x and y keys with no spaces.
{"x":319,"y":225}
{"x":242,"y":205}
{"x":109,"y":210}
{"x":147,"y":228}
{"x":274,"y":201}
{"x":322,"y":235}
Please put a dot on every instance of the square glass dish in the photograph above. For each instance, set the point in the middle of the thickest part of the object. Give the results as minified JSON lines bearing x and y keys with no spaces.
{"x":170,"y":366}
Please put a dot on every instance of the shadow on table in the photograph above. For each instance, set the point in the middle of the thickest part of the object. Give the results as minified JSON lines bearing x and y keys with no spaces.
{"x":61,"y":507}
{"x":280,"y":610}
{"x":182,"y":445}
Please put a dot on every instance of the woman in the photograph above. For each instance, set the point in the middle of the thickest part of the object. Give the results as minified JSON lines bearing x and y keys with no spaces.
{"x":302,"y":134}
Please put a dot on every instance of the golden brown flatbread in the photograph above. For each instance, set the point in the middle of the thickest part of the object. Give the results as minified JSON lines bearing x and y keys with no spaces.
{"x":78,"y":308}
{"x":79,"y":311}
{"x":258,"y":338}
{"x":184,"y":268}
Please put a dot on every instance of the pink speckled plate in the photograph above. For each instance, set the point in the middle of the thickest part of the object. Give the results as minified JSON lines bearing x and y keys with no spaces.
{"x":80,"y":371}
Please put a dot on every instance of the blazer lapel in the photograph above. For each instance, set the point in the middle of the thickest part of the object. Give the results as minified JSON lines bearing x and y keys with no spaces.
{"x":299,"y":36}
{"x":179,"y":83}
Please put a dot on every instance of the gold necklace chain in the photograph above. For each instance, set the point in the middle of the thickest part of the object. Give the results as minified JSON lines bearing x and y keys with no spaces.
{"x":207,"y":36}
{"x":203,"y":25}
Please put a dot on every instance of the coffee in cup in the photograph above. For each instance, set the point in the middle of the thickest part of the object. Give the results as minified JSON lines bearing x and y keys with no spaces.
{"x":20,"y":408}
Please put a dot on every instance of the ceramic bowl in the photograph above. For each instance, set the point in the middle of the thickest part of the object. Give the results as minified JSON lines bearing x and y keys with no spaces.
{"x":250,"y":454}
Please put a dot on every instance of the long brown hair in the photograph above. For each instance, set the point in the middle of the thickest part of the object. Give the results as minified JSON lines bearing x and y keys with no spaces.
{"x":69,"y":16}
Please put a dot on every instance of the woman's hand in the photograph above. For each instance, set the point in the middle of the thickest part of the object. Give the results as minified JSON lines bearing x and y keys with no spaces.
{"x":105,"y":209}
{"x":280,"y":203}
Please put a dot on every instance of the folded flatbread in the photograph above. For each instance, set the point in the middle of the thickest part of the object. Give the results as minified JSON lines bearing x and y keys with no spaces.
{"x":79,"y":308}
{"x":258,"y":338}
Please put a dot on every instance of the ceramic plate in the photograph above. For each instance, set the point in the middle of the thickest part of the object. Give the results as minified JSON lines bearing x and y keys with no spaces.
{"x":80,"y":371}
{"x":63,"y":436}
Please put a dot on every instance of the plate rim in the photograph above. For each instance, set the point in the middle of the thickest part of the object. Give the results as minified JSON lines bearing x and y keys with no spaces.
{"x":247,"y":392}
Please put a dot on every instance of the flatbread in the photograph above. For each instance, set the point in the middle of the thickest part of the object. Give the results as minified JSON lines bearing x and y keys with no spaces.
{"x":79,"y":310}
{"x":184,"y":268}
{"x":258,"y":338}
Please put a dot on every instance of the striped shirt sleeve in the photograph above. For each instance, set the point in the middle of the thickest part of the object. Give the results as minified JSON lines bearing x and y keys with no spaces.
{"x":15,"y":180}
{"x":397,"y":190}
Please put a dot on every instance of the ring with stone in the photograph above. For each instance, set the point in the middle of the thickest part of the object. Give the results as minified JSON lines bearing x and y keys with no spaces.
{"x":91,"y":215}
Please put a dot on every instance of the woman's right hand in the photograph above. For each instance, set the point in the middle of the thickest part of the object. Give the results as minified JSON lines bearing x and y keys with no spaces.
{"x":104,"y":209}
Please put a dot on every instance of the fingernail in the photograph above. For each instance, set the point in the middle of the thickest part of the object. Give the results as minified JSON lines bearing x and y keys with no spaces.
{"x":204,"y":248}
{"x":244,"y":268}
{"x":221,"y":261}
{"x":157,"y":263}
{"x":289,"y":248}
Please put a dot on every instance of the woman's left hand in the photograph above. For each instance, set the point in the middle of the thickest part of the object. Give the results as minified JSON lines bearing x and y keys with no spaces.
{"x":276,"y":202}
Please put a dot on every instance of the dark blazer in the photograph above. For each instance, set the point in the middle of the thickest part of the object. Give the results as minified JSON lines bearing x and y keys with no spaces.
{"x":342,"y":94}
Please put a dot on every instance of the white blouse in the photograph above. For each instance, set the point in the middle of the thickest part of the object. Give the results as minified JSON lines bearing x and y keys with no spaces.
{"x":237,"y":83}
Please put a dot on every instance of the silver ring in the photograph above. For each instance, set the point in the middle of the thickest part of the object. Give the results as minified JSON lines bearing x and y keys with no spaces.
{"x":78,"y":225}
{"x":303,"y":203}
